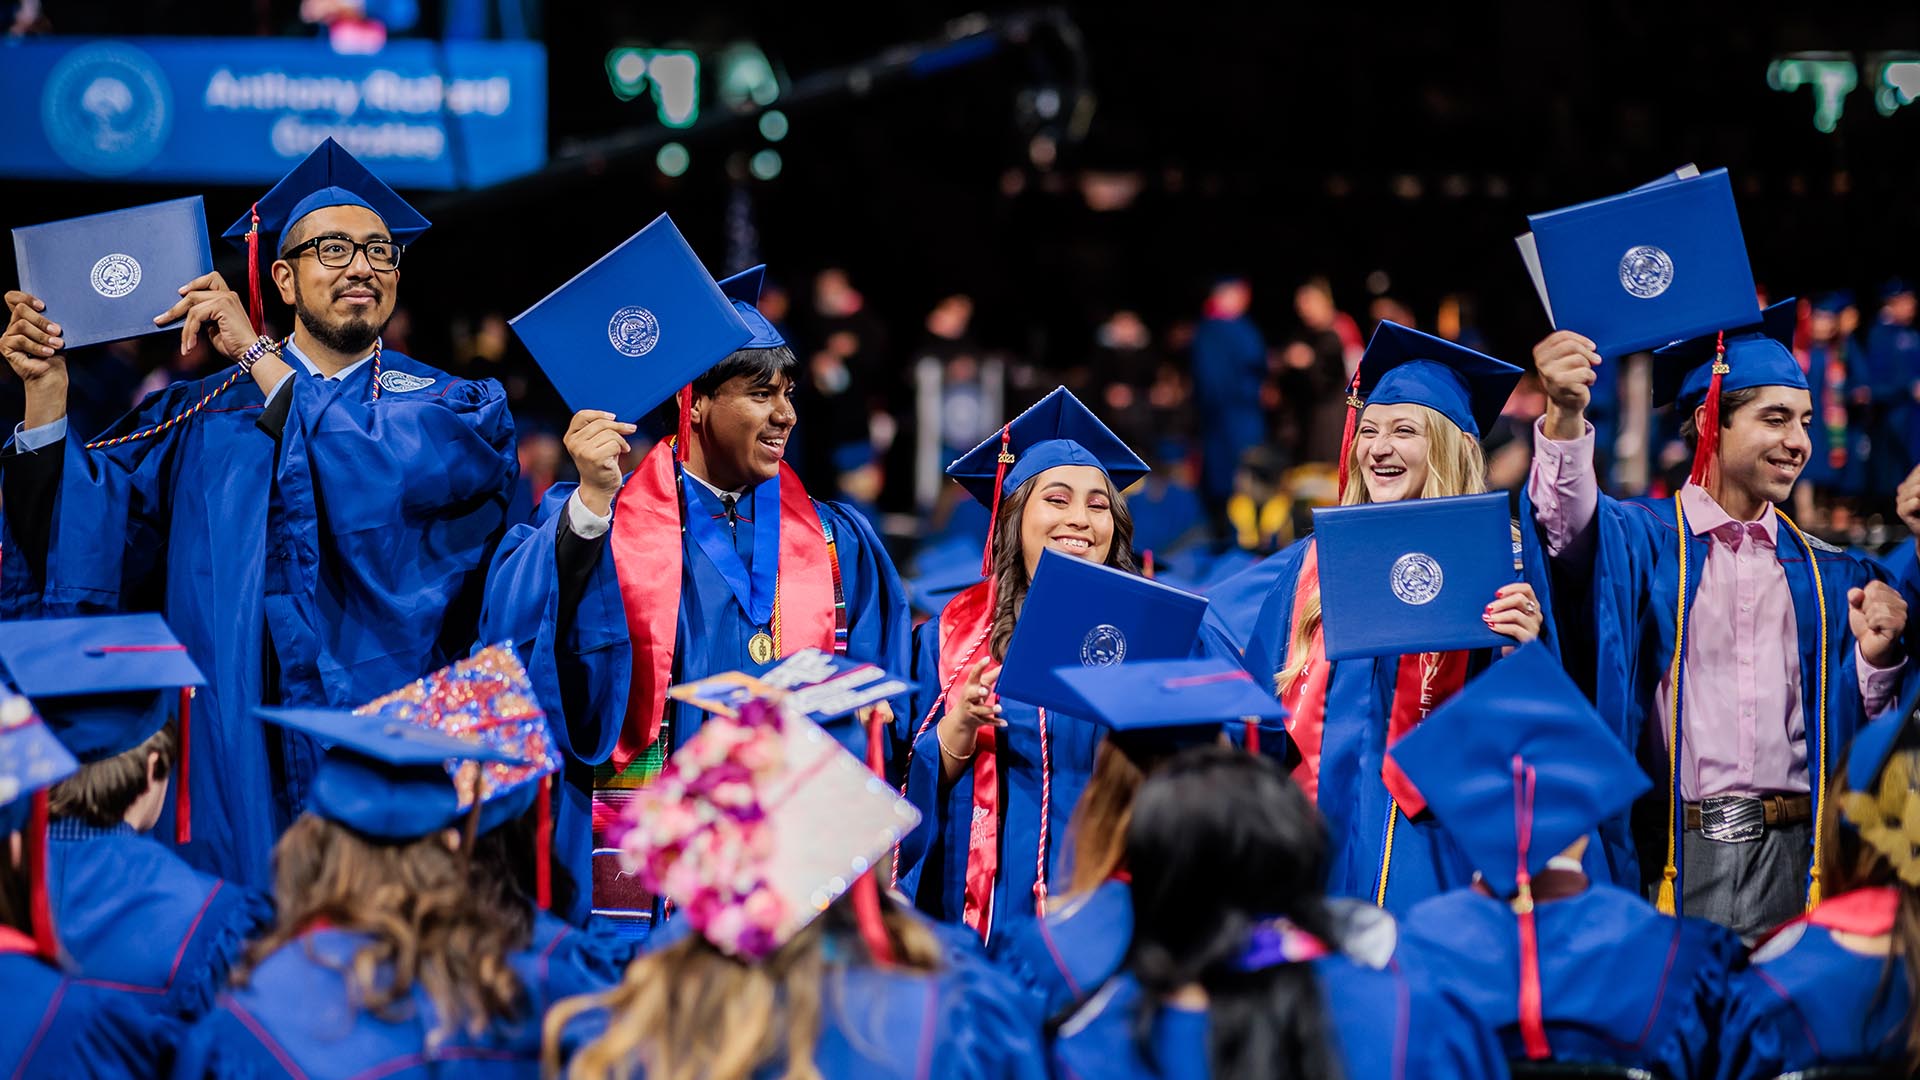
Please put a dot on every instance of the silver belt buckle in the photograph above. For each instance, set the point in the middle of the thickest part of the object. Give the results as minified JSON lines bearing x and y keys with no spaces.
{"x":1732,"y":819}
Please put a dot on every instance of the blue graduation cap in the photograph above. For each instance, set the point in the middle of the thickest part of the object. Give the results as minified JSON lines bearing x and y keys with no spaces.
{"x":743,"y":289}
{"x":327,"y":177}
{"x":1895,"y":286}
{"x":1835,"y":302}
{"x":31,"y":761}
{"x":630,"y":331}
{"x":1057,"y":430}
{"x":383,"y":778}
{"x":1403,"y":366}
{"x":1172,"y":703}
{"x":942,"y":572}
{"x":1698,"y":370}
{"x":1874,"y":745}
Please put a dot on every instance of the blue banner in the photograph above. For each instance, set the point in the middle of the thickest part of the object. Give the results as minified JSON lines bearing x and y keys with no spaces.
{"x":420,"y":114}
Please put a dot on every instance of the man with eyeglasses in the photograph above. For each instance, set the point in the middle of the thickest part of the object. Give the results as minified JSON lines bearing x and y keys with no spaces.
{"x":313,"y":520}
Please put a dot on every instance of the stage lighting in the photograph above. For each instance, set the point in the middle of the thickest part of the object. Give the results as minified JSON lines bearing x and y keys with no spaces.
{"x":1899,"y":83}
{"x":747,"y":79}
{"x":1830,"y":75}
{"x":766,"y":164}
{"x":627,"y":72}
{"x":673,"y":75}
{"x":773,"y":125}
{"x":673,"y":159}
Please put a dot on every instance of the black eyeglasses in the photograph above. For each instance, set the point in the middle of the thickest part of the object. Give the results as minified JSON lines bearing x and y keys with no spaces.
{"x":337,"y":252}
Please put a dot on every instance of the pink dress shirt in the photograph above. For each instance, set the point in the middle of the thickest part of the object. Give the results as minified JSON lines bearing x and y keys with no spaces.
{"x":1745,"y":729}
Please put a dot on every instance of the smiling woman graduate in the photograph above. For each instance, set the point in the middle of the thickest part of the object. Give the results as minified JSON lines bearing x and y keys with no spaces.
{"x":1416,"y":411}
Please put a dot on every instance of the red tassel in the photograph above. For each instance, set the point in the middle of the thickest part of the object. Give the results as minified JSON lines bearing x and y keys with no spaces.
{"x":256,"y":307}
{"x":543,"y":845}
{"x":866,"y":912}
{"x":876,"y":741}
{"x":1533,"y":1027}
{"x":45,"y":941}
{"x":1346,"y":436}
{"x":1253,"y":735}
{"x":183,"y":803}
{"x":993,"y":518}
{"x":1708,"y":444}
{"x":1146,"y":564}
{"x":686,"y":424}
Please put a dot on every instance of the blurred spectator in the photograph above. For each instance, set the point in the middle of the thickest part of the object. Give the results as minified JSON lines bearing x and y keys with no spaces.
{"x":1229,"y":368}
{"x":1313,"y":378}
{"x":1836,"y":467}
{"x":1388,"y":309}
{"x":1886,"y":391}
{"x":1123,"y":367}
{"x":959,"y":396}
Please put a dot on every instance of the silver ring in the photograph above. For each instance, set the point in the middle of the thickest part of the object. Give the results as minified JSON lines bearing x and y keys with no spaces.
{"x":1529,"y":608}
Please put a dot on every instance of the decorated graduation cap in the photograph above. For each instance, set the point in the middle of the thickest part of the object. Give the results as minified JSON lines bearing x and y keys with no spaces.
{"x":1882,"y":787}
{"x":1172,"y":704}
{"x":757,"y":825}
{"x":31,"y":761}
{"x":105,"y":684}
{"x":1517,"y":766}
{"x":743,"y":289}
{"x":1403,"y":366}
{"x":1699,"y":370}
{"x":487,"y":698}
{"x":327,"y":177}
{"x":1057,"y":430}
{"x":384,"y":778}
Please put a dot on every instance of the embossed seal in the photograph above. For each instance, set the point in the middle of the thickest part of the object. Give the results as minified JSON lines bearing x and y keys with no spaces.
{"x":1645,"y":271}
{"x":1104,"y":646}
{"x":116,"y":275}
{"x":1415,"y":578}
{"x":633,"y":331}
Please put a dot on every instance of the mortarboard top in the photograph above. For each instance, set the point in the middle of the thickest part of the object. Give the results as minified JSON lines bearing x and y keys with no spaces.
{"x":1895,"y":286}
{"x":629,"y":331}
{"x":1174,"y":703}
{"x":757,"y":825}
{"x":1461,"y":757}
{"x":1758,"y":354}
{"x":31,"y":760}
{"x":1874,"y":746}
{"x":327,"y":177}
{"x":104,"y":683}
{"x":1057,"y":430}
{"x":941,"y":573}
{"x":1404,"y":366}
{"x":743,"y":289}
{"x":852,"y":455}
{"x":384,"y":778}
{"x":1835,"y":302}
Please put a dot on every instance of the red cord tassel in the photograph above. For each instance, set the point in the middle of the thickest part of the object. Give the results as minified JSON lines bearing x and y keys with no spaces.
{"x":543,"y":846}
{"x":256,"y":307}
{"x":1533,"y":1026}
{"x":1146,"y":564}
{"x":1708,"y":443}
{"x":993,"y":518}
{"x":876,"y":740}
{"x":183,"y":803}
{"x":1346,"y":436}
{"x":685,"y":439}
{"x":866,"y":891}
{"x":45,"y":941}
{"x":1253,"y":735}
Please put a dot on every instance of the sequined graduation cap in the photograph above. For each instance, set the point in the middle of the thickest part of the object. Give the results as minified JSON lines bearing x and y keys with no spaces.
{"x":31,"y":761}
{"x":327,"y":177}
{"x":1517,"y":766}
{"x":1404,"y":366}
{"x":105,"y":684}
{"x":1699,"y":370}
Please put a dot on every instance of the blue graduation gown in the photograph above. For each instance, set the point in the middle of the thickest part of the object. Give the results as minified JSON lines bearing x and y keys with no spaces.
{"x":569,"y":960}
{"x":1619,"y":982}
{"x":132,"y":913}
{"x":1061,"y":959}
{"x":347,"y":547}
{"x":1622,"y":645}
{"x":1229,"y":363}
{"x":1352,"y":796}
{"x":294,"y":1019}
{"x":582,"y":667}
{"x":1383,"y":1025}
{"x":57,"y":1026}
{"x":958,"y":1024}
{"x":1807,"y":1001}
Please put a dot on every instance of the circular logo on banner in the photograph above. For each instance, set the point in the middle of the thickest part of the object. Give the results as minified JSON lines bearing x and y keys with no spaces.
{"x":1104,"y":646}
{"x":116,"y":275}
{"x":1645,"y":271}
{"x":634,"y":331}
{"x":1415,"y":578}
{"x":106,"y":108}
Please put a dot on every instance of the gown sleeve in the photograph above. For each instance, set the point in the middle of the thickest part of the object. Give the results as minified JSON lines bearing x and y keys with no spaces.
{"x":986,"y":1030}
{"x":121,"y":1037}
{"x":879,"y":620}
{"x":1713,"y":954}
{"x":1760,"y":1035}
{"x":234,"y":916}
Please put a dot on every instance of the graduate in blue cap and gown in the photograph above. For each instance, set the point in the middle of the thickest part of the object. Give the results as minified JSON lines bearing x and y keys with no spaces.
{"x":710,"y":556}
{"x":1416,"y":410}
{"x":1239,"y":968}
{"x":1151,"y":710}
{"x":383,"y":957}
{"x":996,"y":779}
{"x":310,"y":519}
{"x":1835,"y":987}
{"x":1521,"y":771}
{"x":1785,"y":643}
{"x":770,"y":838}
{"x":55,"y":1024}
{"x":131,"y":912}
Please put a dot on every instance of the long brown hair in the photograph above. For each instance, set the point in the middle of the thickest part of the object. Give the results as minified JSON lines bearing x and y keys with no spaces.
{"x":416,"y":902}
{"x":1097,"y":832}
{"x":1010,"y":561}
{"x":691,"y":1012}
{"x":1847,"y":862}
{"x":1455,"y":466}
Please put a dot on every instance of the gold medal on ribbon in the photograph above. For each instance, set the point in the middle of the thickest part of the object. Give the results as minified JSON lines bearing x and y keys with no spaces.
{"x":760,"y":647}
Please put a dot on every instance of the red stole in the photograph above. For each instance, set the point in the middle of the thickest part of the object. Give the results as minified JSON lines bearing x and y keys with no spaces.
{"x":964,"y":627}
{"x":13,"y":941}
{"x":1869,"y":912}
{"x":1306,"y":699}
{"x":1425,"y":680}
{"x":647,"y":560}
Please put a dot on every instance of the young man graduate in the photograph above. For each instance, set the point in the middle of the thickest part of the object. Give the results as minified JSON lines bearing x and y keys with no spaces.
{"x":1735,"y":651}
{"x":309,"y":520}
{"x":708,"y":557}
{"x":131,"y":912}
{"x":1522,"y":772}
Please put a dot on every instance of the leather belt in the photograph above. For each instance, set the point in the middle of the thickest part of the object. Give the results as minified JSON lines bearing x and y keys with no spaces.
{"x":1739,"y":818}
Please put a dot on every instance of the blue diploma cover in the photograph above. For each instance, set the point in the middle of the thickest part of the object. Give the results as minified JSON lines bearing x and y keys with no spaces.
{"x":105,"y":276}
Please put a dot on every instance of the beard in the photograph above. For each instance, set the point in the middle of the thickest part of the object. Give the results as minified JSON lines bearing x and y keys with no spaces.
{"x":351,"y":335}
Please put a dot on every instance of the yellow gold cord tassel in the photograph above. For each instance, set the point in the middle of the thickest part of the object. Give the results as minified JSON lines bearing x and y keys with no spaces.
{"x":1663,"y":900}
